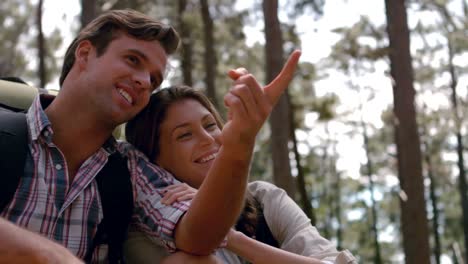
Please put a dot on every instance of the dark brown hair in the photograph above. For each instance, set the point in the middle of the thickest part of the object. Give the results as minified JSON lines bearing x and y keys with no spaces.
{"x":143,"y":132}
{"x":102,"y":30}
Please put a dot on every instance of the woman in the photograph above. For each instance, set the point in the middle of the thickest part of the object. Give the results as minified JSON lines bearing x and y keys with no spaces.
{"x":179,"y":130}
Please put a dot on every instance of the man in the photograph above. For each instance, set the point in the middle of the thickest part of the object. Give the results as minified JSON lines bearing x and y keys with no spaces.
{"x":109,"y":71}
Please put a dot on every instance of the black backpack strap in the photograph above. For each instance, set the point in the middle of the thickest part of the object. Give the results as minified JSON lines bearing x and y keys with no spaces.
{"x":13,"y":150}
{"x":114,"y":184}
{"x":115,"y":189}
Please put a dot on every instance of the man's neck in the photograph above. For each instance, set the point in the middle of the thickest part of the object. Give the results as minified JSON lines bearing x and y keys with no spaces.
{"x":78,"y":134}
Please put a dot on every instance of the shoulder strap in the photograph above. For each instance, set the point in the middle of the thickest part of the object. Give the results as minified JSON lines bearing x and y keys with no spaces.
{"x":115,"y":189}
{"x":13,"y":150}
{"x":114,"y":184}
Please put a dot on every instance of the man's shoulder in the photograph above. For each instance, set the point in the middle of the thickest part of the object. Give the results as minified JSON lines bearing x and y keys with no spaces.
{"x":138,"y":162}
{"x":129,"y":151}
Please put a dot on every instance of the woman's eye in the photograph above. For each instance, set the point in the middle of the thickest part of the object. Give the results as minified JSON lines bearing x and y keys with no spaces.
{"x":211,"y":126}
{"x":184,"y":136}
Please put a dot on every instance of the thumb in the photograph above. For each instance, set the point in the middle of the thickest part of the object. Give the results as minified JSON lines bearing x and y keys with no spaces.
{"x":236,"y":73}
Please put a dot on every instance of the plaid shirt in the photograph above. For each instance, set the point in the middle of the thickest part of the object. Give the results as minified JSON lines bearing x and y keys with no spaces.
{"x":68,"y":213}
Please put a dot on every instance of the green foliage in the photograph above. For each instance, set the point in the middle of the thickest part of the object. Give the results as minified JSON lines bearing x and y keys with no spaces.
{"x":19,"y":42}
{"x":15,"y":21}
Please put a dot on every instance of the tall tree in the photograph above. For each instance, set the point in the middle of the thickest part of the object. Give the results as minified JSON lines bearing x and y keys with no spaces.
{"x":454,"y":30}
{"x":370,"y":173}
{"x":451,"y":30}
{"x":279,"y":119}
{"x":460,"y":147}
{"x":187,"y":43}
{"x":413,"y":207}
{"x":210,"y":52}
{"x":301,"y":182}
{"x":356,"y":58}
{"x":434,"y":199}
{"x":41,"y":50}
{"x":89,"y":10}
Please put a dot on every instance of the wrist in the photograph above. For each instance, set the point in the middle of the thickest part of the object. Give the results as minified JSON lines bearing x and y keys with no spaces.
{"x":233,"y":238}
{"x":240,"y":153}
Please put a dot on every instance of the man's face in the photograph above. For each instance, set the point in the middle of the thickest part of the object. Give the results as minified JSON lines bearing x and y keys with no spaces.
{"x":120,"y":81}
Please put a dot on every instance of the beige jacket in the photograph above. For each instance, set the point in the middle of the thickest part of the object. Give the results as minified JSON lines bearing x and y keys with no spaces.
{"x":286,"y":220}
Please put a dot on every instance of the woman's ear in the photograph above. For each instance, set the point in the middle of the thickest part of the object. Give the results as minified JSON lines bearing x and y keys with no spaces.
{"x":82,"y":52}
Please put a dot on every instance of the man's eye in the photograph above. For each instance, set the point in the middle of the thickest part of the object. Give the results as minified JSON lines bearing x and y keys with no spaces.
{"x":133,"y":59}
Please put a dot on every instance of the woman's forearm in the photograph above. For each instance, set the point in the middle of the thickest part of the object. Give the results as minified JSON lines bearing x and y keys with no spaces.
{"x":217,"y":204}
{"x":259,"y":253}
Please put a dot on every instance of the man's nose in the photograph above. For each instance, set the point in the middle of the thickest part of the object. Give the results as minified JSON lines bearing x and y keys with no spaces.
{"x":142,"y":80}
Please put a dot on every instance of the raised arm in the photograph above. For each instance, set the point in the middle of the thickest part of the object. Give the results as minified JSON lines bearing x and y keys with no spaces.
{"x":219,"y":200}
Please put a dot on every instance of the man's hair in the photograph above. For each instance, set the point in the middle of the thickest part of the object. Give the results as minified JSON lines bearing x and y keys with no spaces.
{"x":143,"y":131}
{"x":102,"y":30}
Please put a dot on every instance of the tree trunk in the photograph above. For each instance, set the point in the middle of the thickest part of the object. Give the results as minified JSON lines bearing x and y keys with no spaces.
{"x":333,"y":196}
{"x":324,"y":190}
{"x":339,"y":228}
{"x":460,"y":146}
{"x":457,"y":258}
{"x":370,"y":172}
{"x":301,"y":184}
{"x":210,"y":53}
{"x":187,"y":48}
{"x":279,"y":122}
{"x":435,"y":209}
{"x":41,"y":47}
{"x":88,"y":11}
{"x":413,"y":207}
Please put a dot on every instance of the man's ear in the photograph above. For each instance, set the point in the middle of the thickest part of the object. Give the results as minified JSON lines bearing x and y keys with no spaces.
{"x":82,"y":53}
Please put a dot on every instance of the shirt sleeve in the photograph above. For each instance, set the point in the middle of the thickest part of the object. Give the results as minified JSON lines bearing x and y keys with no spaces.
{"x":291,"y":227}
{"x":150,"y":216}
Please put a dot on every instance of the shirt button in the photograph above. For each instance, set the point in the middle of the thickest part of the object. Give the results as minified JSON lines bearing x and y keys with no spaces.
{"x":58,"y":166}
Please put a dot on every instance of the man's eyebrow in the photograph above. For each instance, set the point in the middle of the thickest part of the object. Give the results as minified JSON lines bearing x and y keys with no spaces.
{"x":139,"y":53}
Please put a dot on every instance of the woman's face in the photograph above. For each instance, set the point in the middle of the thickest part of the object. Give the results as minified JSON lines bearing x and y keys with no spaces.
{"x":189,"y":141}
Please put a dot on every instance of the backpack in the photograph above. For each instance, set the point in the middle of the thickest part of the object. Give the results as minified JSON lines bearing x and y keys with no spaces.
{"x":114,"y":184}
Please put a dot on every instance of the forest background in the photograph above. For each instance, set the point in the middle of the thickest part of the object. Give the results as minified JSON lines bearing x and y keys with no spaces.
{"x":370,"y":137}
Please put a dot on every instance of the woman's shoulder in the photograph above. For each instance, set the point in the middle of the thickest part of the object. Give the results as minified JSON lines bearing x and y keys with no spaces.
{"x":266,"y":192}
{"x":262,"y":187}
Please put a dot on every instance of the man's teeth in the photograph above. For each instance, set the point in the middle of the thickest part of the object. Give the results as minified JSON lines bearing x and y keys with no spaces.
{"x":208,"y":158}
{"x":125,"y":95}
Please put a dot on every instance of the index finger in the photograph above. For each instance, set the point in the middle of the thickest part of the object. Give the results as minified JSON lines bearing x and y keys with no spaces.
{"x":275,"y":88}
